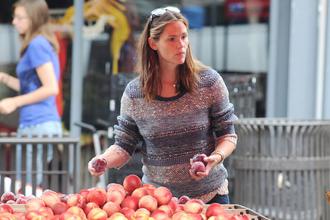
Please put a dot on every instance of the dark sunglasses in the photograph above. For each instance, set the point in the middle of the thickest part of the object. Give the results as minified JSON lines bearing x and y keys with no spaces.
{"x":160,"y":11}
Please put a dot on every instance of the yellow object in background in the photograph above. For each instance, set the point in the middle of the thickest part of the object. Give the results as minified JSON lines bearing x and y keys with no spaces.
{"x":116,"y":18}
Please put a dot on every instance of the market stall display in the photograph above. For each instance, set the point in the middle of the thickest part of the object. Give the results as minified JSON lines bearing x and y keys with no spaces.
{"x":130,"y":200}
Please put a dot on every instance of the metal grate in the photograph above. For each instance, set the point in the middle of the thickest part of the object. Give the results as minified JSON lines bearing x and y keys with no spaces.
{"x":281,"y":167}
{"x":59,"y":174}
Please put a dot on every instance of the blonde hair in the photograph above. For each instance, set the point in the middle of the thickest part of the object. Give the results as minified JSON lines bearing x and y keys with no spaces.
{"x":37,"y":11}
{"x":148,"y":63}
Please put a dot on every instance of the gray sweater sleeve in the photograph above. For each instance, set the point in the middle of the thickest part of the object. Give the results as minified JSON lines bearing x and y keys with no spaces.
{"x":221,"y":111}
{"x":127,"y":134}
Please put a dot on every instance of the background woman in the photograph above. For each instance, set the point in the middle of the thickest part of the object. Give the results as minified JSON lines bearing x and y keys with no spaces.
{"x":37,"y":79}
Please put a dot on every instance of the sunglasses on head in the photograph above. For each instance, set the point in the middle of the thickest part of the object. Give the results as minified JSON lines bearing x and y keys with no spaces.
{"x":160,"y":11}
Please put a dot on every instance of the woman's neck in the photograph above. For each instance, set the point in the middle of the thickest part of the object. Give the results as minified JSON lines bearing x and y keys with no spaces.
{"x":169,"y":83}
{"x":168,"y":74}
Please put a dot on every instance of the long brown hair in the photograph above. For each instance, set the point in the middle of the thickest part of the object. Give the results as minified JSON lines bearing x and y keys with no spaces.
{"x":148,"y":63}
{"x":37,"y":11}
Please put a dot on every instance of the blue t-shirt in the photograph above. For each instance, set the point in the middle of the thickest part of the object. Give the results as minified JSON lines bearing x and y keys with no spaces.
{"x":38,"y":52}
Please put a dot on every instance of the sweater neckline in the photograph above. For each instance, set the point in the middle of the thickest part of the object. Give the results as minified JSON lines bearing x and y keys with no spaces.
{"x":172,"y":98}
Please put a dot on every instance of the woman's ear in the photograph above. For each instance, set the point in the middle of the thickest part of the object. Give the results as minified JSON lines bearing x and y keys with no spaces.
{"x":152,"y":43}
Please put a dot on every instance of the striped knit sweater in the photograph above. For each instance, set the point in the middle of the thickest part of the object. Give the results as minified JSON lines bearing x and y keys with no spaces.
{"x":172,"y":130}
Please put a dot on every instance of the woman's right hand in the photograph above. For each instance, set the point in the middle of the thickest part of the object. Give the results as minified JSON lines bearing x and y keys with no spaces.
{"x":97,"y":165}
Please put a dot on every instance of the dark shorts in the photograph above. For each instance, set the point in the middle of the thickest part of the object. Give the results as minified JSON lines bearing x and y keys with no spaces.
{"x":222,"y":199}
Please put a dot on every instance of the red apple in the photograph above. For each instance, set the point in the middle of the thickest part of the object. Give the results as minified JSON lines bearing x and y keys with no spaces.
{"x":99,"y":164}
{"x":173,"y":203}
{"x":130,"y":202}
{"x":180,"y":215}
{"x":183,"y":199}
{"x":214,"y":209}
{"x":59,"y":208}
{"x":34,"y":215}
{"x":84,"y":192}
{"x":163,"y":195}
{"x":143,"y":210}
{"x":223,"y":216}
{"x":150,"y":188}
{"x":8,"y":196}
{"x":18,"y":215}
{"x":76,"y":200}
{"x":193,"y":206}
{"x":7,"y":216}
{"x":115,"y":196}
{"x":97,"y":214}
{"x":139,"y":192}
{"x":160,"y":215}
{"x":71,"y":216}
{"x":34,"y":204}
{"x":141,"y":214}
{"x":195,"y":216}
{"x":117,"y":187}
{"x":97,"y":195}
{"x":199,"y":157}
{"x":197,"y":166}
{"x":128,"y":212}
{"x":149,"y":202}
{"x":89,"y":206}
{"x":131,"y":182}
{"x":46,"y":211}
{"x":6,"y":208}
{"x":111,"y":207}
{"x":21,"y":200}
{"x":167,"y":209}
{"x":50,"y":198}
{"x":180,"y":207}
{"x":117,"y":216}
{"x":75,"y":210}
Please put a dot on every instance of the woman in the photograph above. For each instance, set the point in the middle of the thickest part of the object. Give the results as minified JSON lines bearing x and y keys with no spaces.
{"x":176,"y":109}
{"x":37,"y":78}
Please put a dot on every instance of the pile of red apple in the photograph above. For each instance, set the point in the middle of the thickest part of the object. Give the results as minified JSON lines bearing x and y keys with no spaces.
{"x":130,"y":200}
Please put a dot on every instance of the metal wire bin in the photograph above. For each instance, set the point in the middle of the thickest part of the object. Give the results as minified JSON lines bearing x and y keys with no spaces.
{"x":59,"y":174}
{"x":282,"y":167}
{"x":242,"y":92}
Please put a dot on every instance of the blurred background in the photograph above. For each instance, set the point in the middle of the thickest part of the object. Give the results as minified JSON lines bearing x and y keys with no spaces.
{"x":274,"y":56}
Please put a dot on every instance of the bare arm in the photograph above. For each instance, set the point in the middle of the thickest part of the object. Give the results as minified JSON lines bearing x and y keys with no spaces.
{"x":10,"y":81}
{"x":115,"y":156}
{"x":49,"y":87}
{"x":226,"y":146}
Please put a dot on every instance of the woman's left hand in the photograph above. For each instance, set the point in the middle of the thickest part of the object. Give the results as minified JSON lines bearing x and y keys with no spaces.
{"x":8,"y":105}
{"x":211,"y":161}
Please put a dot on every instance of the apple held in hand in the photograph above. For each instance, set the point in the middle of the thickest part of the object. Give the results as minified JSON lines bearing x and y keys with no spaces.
{"x":99,"y":164}
{"x":198,"y":163}
{"x":197,"y":166}
{"x":200,"y":158}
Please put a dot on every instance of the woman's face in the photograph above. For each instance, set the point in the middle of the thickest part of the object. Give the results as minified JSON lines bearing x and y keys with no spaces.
{"x":21,"y":20}
{"x":172,"y":44}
